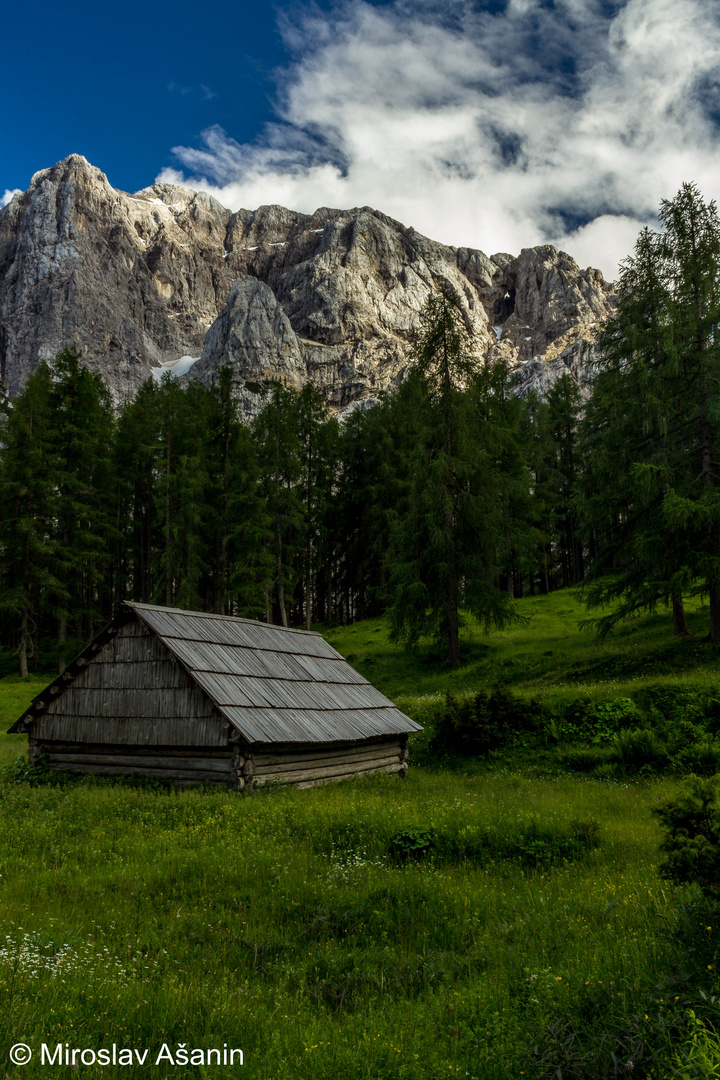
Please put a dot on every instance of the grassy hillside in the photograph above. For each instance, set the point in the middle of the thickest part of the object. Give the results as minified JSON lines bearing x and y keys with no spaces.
{"x":546,"y":655}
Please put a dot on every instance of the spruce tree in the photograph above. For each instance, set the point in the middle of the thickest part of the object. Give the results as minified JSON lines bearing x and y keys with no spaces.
{"x":276,"y":432}
{"x":29,"y":479}
{"x":444,"y":548}
{"x":653,"y":424}
{"x":318,"y":437}
{"x":238,"y":523}
{"x":82,"y":434}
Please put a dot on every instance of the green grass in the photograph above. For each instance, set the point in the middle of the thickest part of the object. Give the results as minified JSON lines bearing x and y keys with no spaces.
{"x":15,"y":696}
{"x":546,"y":656}
{"x":281,"y":924}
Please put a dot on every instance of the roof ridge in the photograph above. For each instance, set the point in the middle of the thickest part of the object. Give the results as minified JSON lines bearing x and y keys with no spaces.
{"x":224,"y":618}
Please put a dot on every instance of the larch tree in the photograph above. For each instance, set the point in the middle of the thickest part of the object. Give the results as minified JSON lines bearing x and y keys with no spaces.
{"x":652,"y":427}
{"x":443,"y":551}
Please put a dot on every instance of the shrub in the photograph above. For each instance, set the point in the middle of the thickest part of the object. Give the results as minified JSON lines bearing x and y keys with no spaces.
{"x":607,"y":718}
{"x":474,"y":725}
{"x":691,"y":841}
{"x":535,"y":845}
{"x":639,"y":750}
{"x":412,"y":843}
{"x":702,"y":758}
{"x":699,"y":1057}
{"x":22,"y":772}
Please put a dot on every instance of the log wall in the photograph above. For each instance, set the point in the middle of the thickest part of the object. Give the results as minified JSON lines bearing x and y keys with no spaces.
{"x":233,"y":766}
{"x":182,"y":765}
{"x":309,"y":766}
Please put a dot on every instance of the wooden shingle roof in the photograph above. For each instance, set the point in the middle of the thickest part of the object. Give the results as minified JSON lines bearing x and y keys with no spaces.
{"x":273,"y":685}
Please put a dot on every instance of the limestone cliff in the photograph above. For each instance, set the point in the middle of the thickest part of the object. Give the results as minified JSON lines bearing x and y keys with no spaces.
{"x":139,"y":281}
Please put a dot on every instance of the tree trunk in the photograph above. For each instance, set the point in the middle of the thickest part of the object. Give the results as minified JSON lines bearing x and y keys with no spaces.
{"x":714,"y":591}
{"x":308,"y":584}
{"x":168,"y":522}
{"x":679,"y":621}
{"x":279,"y":583}
{"x":62,"y":638}
{"x":23,"y":650}
{"x":221,"y":595}
{"x":451,"y":593}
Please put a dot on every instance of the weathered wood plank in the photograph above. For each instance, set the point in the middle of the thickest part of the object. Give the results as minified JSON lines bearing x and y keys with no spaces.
{"x":122,"y":649}
{"x":134,"y":628}
{"x":165,"y":774}
{"x":357,"y":752}
{"x":204,"y":753}
{"x":349,"y":776}
{"x":347,"y":763}
{"x":326,"y":751}
{"x":168,"y":731}
{"x":135,"y":674}
{"x":149,"y":762}
{"x":324,"y":771}
{"x":147,"y":702}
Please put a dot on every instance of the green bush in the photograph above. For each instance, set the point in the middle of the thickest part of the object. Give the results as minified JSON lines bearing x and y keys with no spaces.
{"x":22,"y":772}
{"x":691,"y":841}
{"x":486,"y":721}
{"x":701,"y":757}
{"x":699,"y":1056}
{"x":411,"y":843}
{"x":639,"y":750}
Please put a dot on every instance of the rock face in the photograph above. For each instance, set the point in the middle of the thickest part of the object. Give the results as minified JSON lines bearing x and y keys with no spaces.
{"x":136,"y":282}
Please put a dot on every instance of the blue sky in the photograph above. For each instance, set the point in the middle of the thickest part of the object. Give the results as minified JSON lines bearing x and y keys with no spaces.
{"x":496,"y":124}
{"x":124,"y":83}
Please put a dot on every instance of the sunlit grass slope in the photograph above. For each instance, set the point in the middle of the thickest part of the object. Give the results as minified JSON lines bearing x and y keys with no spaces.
{"x":545,"y":655}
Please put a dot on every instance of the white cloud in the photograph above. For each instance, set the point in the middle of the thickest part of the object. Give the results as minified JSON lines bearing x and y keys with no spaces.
{"x":5,"y":199}
{"x":543,"y":123}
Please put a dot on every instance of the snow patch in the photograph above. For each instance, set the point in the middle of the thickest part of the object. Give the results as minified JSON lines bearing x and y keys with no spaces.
{"x":176,"y":367}
{"x":148,"y":202}
{"x":498,"y":331}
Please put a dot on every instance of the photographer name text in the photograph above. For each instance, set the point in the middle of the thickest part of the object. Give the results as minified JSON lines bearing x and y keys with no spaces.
{"x":175,"y":1054}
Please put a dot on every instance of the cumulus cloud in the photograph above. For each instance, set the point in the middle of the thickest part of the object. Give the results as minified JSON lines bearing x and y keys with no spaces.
{"x":559,"y":123}
{"x":5,"y":199}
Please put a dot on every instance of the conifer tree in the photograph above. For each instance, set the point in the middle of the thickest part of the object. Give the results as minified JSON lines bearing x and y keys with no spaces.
{"x":444,"y":548}
{"x":181,"y":490}
{"x":318,"y":437}
{"x":238,"y":523}
{"x":653,"y":425}
{"x":275,"y":430}
{"x":82,"y":434}
{"x":28,"y":503}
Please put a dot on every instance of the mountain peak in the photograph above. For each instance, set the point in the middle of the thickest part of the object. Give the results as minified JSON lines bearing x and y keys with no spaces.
{"x":138,"y":281}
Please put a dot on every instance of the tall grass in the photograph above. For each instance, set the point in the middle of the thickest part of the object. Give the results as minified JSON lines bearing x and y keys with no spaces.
{"x":527,"y":931}
{"x":280,"y":924}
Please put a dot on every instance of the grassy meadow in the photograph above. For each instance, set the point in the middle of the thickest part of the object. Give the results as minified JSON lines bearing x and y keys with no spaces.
{"x":506,"y":920}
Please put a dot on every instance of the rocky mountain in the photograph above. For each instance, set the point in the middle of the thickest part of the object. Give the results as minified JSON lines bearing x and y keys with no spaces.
{"x":168,"y":279}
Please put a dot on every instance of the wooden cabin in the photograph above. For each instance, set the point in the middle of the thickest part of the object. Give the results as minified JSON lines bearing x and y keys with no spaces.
{"x":194,"y":698}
